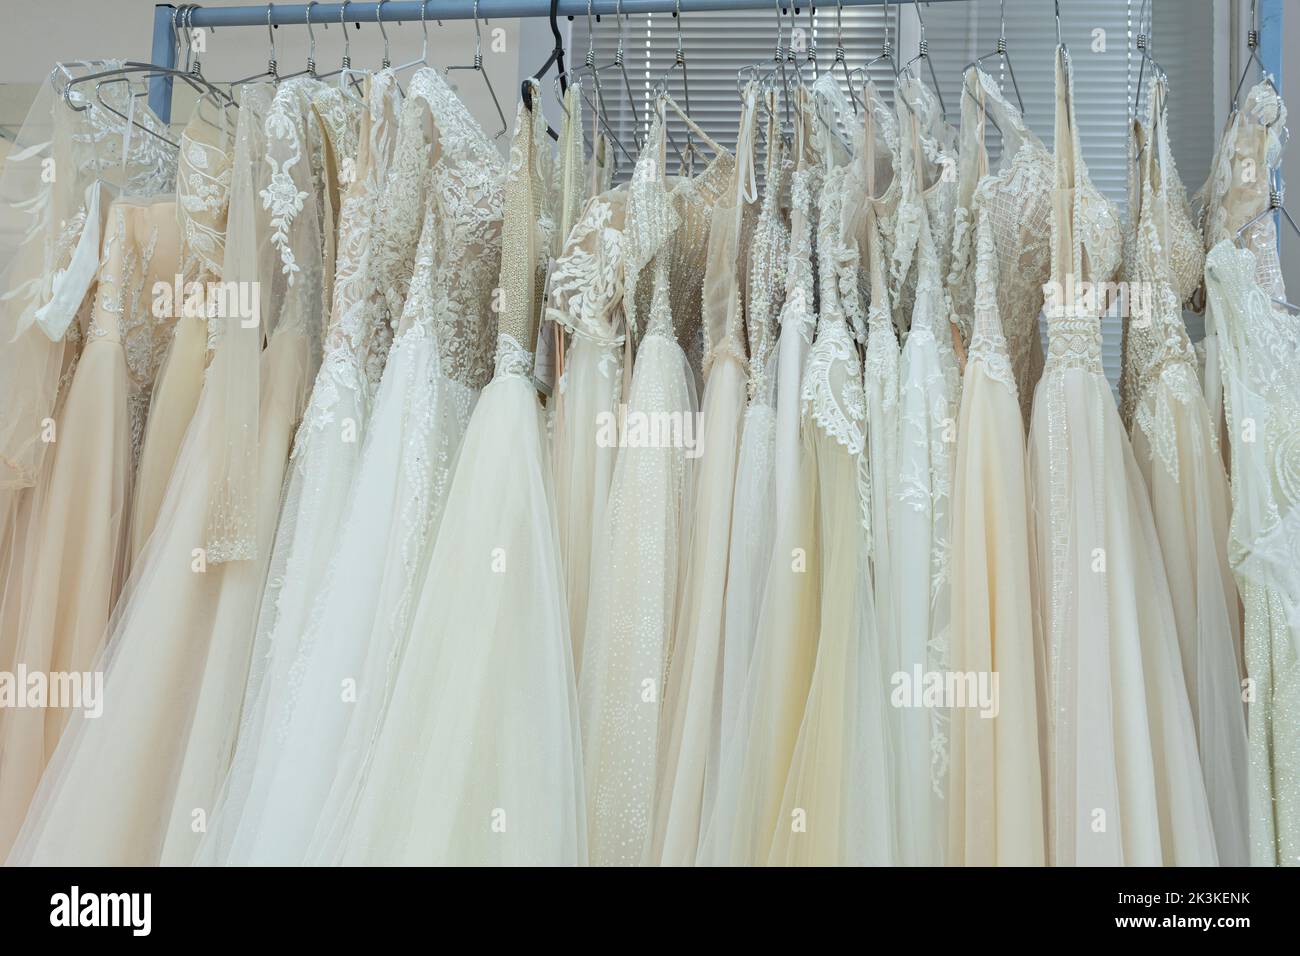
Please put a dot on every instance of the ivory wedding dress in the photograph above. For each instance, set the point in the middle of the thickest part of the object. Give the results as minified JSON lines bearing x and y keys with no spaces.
{"x":1259,"y":353}
{"x":479,"y":759}
{"x":1175,"y":443}
{"x":202,"y":203}
{"x":441,"y":205}
{"x":1124,"y":782}
{"x":838,"y":805}
{"x":753,"y":518}
{"x":323,"y":463}
{"x":586,"y":301}
{"x":1250,"y":375}
{"x":922,"y":509}
{"x":641,"y":542}
{"x":75,"y":563}
{"x":690,"y":697}
{"x":754,"y":766}
{"x":110,"y":793}
{"x":995,"y":784}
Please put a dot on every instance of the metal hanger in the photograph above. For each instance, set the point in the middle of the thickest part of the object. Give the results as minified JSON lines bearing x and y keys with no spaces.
{"x":477,"y":67}
{"x":765,"y":73}
{"x":863,"y":73}
{"x":1275,"y":195}
{"x":810,"y":58}
{"x":923,"y":53}
{"x":132,"y":69}
{"x":1144,"y":51}
{"x":661,"y":89}
{"x":423,"y":58}
{"x":1001,"y":52}
{"x":347,"y":75}
{"x":841,"y":56}
{"x":311,"y":49}
{"x":555,"y":59}
{"x":1252,"y":44}
{"x":598,"y":109}
{"x":272,"y":71}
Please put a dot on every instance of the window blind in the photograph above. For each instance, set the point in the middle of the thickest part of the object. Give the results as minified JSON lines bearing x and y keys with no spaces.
{"x":1100,"y":35}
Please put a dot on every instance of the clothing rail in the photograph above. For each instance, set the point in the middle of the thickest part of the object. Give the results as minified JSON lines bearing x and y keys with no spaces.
{"x":295,"y":14}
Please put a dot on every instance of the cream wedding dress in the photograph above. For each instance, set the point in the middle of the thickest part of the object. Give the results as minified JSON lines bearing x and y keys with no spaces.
{"x":479,"y":759}
{"x":1250,"y":377}
{"x":691,"y":694}
{"x":1124,"y":782}
{"x":641,"y":544}
{"x":441,"y":204}
{"x":110,"y":794}
{"x":1175,"y":443}
{"x":995,"y":784}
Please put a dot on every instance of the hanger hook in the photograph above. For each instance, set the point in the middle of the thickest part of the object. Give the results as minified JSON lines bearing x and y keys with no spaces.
{"x":1057,"y":5}
{"x":591,"y":40}
{"x":347,"y":41}
{"x":271,"y":67}
{"x":311,"y":41}
{"x":379,"y":19}
{"x":424,"y":29}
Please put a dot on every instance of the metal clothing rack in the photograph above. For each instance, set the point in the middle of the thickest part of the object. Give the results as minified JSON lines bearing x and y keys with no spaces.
{"x":295,"y":14}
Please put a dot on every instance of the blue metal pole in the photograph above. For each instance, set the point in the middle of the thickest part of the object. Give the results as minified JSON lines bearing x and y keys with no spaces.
{"x":164,"y":54}
{"x":295,"y":13}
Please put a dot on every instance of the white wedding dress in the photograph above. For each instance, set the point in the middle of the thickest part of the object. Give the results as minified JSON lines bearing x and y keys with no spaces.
{"x":1176,"y":447}
{"x":441,"y":204}
{"x":479,"y":761}
{"x":1124,"y":782}
{"x":641,"y":543}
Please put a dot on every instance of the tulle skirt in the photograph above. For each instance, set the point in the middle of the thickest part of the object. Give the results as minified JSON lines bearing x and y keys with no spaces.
{"x":1191,"y":505}
{"x":633,"y":610}
{"x":585,"y":449}
{"x":309,"y":736}
{"x":149,"y":767}
{"x":838,"y":804}
{"x":995,"y":783}
{"x":67,"y":583}
{"x":692,"y":697}
{"x":1124,"y":784}
{"x":753,"y":526}
{"x":479,"y":758}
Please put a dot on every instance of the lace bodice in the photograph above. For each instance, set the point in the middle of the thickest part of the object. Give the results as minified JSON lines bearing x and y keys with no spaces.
{"x":1165,"y":267}
{"x":1016,"y":202}
{"x":1087,"y":245}
{"x":1238,"y":188}
{"x":525,"y":240}
{"x":768,"y":253}
{"x":438,"y":245}
{"x":586,"y":281}
{"x":1260,"y":358}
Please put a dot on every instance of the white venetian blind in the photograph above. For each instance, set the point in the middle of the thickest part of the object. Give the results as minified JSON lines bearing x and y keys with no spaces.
{"x":1099,"y":33}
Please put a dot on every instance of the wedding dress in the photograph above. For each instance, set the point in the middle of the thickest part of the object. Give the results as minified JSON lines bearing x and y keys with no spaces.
{"x":922,"y":511}
{"x":1018,"y":197}
{"x":995,"y":795}
{"x":1124,"y":782}
{"x":690,"y":697}
{"x":838,"y":806}
{"x":323,"y":463}
{"x":202,"y":203}
{"x":1251,"y":363}
{"x":441,"y":205}
{"x":479,"y":759}
{"x":640,"y":551}
{"x":75,"y":563}
{"x":329,"y":139}
{"x":1259,"y":353}
{"x":110,"y":793}
{"x":1175,"y":443}
{"x":753,"y":517}
{"x":51,"y":229}
{"x":754,"y":766}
